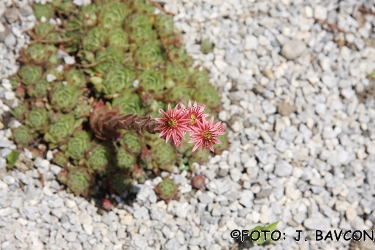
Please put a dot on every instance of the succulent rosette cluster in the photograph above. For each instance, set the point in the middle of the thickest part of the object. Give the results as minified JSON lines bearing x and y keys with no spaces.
{"x":90,"y":87}
{"x":177,"y":122}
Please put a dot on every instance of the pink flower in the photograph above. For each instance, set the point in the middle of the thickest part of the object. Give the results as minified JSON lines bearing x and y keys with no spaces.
{"x":205,"y":133}
{"x":173,"y":125}
{"x":195,"y":112}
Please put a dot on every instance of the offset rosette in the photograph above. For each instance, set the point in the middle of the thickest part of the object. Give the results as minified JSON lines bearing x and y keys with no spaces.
{"x":208,"y":95}
{"x":20,"y":111}
{"x":180,"y":93}
{"x":140,"y":29}
{"x":61,"y":128}
{"x":132,"y":143}
{"x":164,"y":155}
{"x":142,"y":7}
{"x":37,"y":119}
{"x":88,"y":14}
{"x":113,"y":14}
{"x":60,"y":159}
{"x":199,"y":156}
{"x":151,"y":80}
{"x":94,"y":39}
{"x":23,"y":135}
{"x":179,"y":56}
{"x":78,"y":145}
{"x":78,"y":181}
{"x":117,"y":80}
{"x":178,"y":73}
{"x":108,"y":59}
{"x":75,"y":78}
{"x":30,"y":74}
{"x":199,"y":79}
{"x":165,"y":25}
{"x":117,"y":38}
{"x":43,"y":28}
{"x":39,"y":90}
{"x":36,"y":53}
{"x":129,"y":103}
{"x":124,"y":159}
{"x":98,"y":158}
{"x":43,"y":10}
{"x":166,"y":190}
{"x":64,"y":98}
{"x":72,"y":34}
{"x":150,"y":54}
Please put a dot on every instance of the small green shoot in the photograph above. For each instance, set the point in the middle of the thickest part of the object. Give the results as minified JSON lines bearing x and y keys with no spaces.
{"x":261,"y":240}
{"x":12,"y":158}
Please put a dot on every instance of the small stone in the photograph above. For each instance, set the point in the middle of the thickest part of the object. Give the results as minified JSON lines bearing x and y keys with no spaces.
{"x":286,"y":109}
{"x":205,"y":198}
{"x":317,"y":224}
{"x":283,"y":169}
{"x":268,"y":108}
{"x":26,"y":10}
{"x":69,"y":60}
{"x":50,"y":78}
{"x":11,"y":15}
{"x":320,"y":12}
{"x":10,"y":40}
{"x":293,"y":49}
{"x":351,"y":213}
{"x":71,"y":237}
{"x":246,"y":198}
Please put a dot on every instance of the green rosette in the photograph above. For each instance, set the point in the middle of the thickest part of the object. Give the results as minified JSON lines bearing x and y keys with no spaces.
{"x":61,"y":128}
{"x":75,"y":78}
{"x":199,"y":79}
{"x":117,"y":80}
{"x":208,"y":95}
{"x":37,"y":53}
{"x":30,"y":74}
{"x":37,"y":119}
{"x":179,"y":93}
{"x":207,"y":46}
{"x":78,"y":145}
{"x":179,"y":56}
{"x":60,"y":159}
{"x":14,"y":81}
{"x":150,"y":54}
{"x":108,"y":59}
{"x":117,"y":38}
{"x":164,"y":155}
{"x":64,"y":98}
{"x":124,"y":159}
{"x":178,"y":73}
{"x":20,"y":111}
{"x":151,"y":80}
{"x":98,"y":158}
{"x":142,"y":7}
{"x":43,"y":10}
{"x":166,"y":189}
{"x":199,"y":156}
{"x":165,"y":25}
{"x":113,"y":14}
{"x":94,"y":39}
{"x":38,"y":90}
{"x":129,"y":103}
{"x":140,"y":29}
{"x":23,"y":135}
{"x":89,"y":14}
{"x":132,"y":143}
{"x":78,"y":181}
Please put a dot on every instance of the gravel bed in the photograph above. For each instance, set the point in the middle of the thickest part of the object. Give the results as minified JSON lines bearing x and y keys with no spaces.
{"x":294,"y":81}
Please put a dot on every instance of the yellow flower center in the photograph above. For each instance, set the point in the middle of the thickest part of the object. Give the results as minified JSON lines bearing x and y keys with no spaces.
{"x":193,"y":119}
{"x":172,"y":123}
{"x":206,"y":135}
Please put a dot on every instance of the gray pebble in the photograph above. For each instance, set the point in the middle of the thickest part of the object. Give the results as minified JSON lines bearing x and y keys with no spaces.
{"x":293,"y":49}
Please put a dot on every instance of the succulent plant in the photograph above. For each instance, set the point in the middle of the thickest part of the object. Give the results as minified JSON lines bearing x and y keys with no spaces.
{"x":124,"y":159}
{"x":164,"y":155}
{"x":78,"y":181}
{"x":37,"y":119}
{"x":166,"y":190}
{"x":78,"y":145}
{"x":61,"y":128}
{"x":42,"y":10}
{"x":98,"y":158}
{"x":132,"y":143}
{"x":60,"y":159}
{"x":206,"y":46}
{"x":64,"y":98}
{"x":199,"y":157}
{"x":23,"y":135}
{"x":96,"y":115}
{"x":107,"y":204}
{"x":30,"y":74}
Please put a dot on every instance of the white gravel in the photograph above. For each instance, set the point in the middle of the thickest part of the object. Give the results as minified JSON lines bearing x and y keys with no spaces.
{"x":302,"y":141}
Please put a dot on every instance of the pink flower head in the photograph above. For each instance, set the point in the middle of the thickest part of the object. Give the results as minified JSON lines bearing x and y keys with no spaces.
{"x":173,"y":124}
{"x":195,"y":112}
{"x":205,"y":133}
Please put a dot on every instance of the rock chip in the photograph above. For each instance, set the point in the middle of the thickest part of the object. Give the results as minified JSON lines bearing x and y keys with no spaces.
{"x":293,"y":49}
